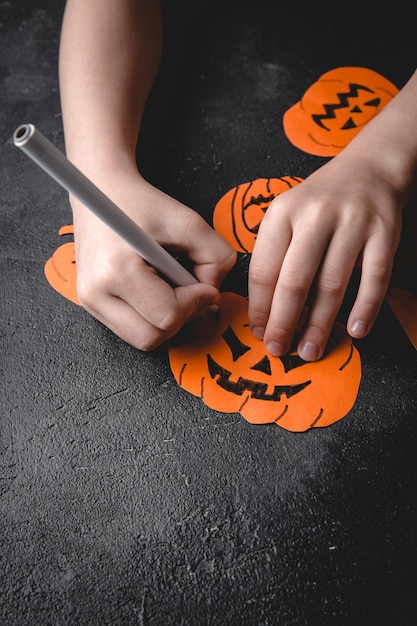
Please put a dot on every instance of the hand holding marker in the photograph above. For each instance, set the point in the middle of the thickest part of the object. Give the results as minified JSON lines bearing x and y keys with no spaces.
{"x":55,"y":163}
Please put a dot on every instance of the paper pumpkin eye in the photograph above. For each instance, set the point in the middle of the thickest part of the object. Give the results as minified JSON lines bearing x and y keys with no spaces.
{"x":60,"y":270}
{"x":238,"y":213}
{"x":220,"y":361}
{"x":335,"y":108}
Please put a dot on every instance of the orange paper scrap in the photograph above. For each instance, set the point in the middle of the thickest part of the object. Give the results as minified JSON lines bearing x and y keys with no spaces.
{"x":404,"y":305}
{"x":60,"y":270}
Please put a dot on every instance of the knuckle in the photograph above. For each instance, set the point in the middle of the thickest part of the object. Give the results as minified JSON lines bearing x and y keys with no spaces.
{"x":86,"y":293}
{"x":259,"y":275}
{"x":331,"y":287}
{"x":229,"y":258}
{"x":294,"y":285}
{"x":381,"y":272}
{"x":371,"y":308}
{"x":149,"y":342}
{"x":319,"y":330}
{"x":167,"y":321}
{"x":92,"y":285}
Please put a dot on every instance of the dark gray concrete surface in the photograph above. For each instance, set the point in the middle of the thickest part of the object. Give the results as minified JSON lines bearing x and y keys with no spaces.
{"x":124,"y":500}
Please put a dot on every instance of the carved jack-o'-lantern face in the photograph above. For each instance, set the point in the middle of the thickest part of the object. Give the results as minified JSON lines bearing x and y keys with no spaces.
{"x":238,"y":213}
{"x":335,"y":108}
{"x":60,"y":268}
{"x":220,"y":361}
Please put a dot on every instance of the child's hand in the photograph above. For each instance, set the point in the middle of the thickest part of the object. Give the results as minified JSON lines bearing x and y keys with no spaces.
{"x":120,"y":289}
{"x":310,"y":240}
{"x":347,"y":213}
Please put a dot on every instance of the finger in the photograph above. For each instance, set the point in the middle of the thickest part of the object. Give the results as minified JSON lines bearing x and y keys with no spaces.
{"x":212,"y":255}
{"x":264,"y":270}
{"x":140,"y":307}
{"x":376,"y":271}
{"x":125,"y":322}
{"x":296,"y":276}
{"x":328,"y":292}
{"x":128,"y":324}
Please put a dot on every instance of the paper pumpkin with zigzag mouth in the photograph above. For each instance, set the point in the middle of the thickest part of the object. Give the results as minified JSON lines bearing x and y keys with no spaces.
{"x":335,"y":108}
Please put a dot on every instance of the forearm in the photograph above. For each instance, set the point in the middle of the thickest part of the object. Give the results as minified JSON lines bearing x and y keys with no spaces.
{"x":109,"y":56}
{"x":390,"y":142}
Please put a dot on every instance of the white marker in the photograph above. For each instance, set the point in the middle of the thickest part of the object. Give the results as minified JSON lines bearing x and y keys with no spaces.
{"x":55,"y":163}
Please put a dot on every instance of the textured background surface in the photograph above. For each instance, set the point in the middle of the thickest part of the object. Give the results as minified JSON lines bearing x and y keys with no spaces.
{"x":124,"y":500}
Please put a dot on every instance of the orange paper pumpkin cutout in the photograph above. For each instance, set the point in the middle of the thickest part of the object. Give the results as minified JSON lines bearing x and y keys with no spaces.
{"x":335,"y":108}
{"x":404,"y":306}
{"x":221,"y":362}
{"x":238,"y":213}
{"x":60,"y":269}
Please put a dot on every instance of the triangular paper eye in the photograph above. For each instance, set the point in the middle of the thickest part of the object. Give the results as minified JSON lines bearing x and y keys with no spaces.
{"x":335,"y":108}
{"x":238,"y":213}
{"x":60,"y":268}
{"x":219,"y":360}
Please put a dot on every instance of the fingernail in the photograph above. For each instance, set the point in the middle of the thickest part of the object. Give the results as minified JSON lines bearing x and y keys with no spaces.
{"x":258,"y":332}
{"x":276,"y":349}
{"x":358,"y":328}
{"x":309,"y":351}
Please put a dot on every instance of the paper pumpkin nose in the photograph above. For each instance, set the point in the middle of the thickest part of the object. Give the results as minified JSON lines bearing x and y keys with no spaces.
{"x":220,"y":361}
{"x":238,"y":214}
{"x":335,"y":108}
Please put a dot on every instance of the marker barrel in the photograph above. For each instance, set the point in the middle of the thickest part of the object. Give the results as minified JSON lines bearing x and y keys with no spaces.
{"x":35,"y":145}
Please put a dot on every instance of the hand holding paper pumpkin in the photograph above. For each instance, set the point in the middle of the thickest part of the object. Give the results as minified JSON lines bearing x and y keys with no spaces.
{"x":308,"y":244}
{"x":347,"y":212}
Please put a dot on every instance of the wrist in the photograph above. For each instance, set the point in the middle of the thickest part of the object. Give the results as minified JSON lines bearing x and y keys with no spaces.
{"x":118,"y":179}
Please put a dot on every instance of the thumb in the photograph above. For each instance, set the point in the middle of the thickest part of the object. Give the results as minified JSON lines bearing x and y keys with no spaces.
{"x":196,"y":298}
